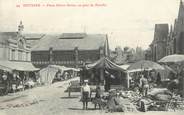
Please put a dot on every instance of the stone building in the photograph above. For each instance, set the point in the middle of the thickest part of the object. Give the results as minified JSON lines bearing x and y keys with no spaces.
{"x":176,"y":35}
{"x":69,"y":49}
{"x":158,"y":45}
{"x":15,"y":52}
{"x":13,"y":46}
{"x":148,"y":55}
{"x":173,"y":43}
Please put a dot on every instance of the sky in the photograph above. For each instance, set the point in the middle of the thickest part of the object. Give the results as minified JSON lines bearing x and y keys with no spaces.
{"x":126,"y":22}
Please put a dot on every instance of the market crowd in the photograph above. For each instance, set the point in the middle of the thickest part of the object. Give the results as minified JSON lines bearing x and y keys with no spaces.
{"x":141,"y":92}
{"x":16,"y":80}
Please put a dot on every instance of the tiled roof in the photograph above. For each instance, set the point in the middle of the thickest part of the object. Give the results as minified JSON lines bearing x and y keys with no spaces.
{"x":4,"y":36}
{"x":33,"y":36}
{"x":72,"y":35}
{"x":68,"y":41}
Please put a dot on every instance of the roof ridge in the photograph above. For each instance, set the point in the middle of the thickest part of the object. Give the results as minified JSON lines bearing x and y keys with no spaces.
{"x":93,"y":41}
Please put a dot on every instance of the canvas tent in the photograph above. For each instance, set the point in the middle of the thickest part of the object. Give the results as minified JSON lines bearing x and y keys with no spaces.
{"x":105,"y":63}
{"x":104,"y":72}
{"x":47,"y":74}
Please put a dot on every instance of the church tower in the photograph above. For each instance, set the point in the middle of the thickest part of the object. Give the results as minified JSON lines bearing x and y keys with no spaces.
{"x":179,"y":30}
{"x":20,"y":28}
{"x":181,"y":11}
{"x":180,"y":20}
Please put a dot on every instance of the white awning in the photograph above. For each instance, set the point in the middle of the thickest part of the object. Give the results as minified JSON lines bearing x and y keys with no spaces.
{"x":138,"y":70}
{"x":16,"y":65}
{"x":64,"y":68}
{"x":125,"y":66}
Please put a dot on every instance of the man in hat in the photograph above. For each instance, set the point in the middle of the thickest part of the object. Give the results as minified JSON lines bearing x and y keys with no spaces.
{"x":85,"y":92}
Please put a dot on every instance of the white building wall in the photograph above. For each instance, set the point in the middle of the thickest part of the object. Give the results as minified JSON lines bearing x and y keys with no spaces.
{"x":6,"y":53}
{"x":24,"y":56}
{"x":16,"y":54}
{"x":29,"y":56}
{"x":1,"y":53}
{"x":10,"y":54}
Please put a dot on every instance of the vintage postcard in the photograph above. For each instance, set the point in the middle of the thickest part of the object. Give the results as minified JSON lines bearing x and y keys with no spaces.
{"x":85,"y":57}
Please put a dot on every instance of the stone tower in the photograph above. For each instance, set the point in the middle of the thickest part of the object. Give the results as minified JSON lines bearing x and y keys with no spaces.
{"x":179,"y":31}
{"x":158,"y":46}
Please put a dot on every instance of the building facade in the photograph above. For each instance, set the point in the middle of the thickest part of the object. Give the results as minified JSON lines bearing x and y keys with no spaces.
{"x":158,"y":45}
{"x":176,"y":35}
{"x":69,"y":49}
{"x":14,"y":47}
{"x":148,"y":55}
{"x":171,"y":42}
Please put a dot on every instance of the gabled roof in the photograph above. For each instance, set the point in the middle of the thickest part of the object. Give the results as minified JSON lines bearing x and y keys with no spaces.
{"x":5,"y":36}
{"x":33,"y":36}
{"x":70,"y":42}
{"x":72,"y":35}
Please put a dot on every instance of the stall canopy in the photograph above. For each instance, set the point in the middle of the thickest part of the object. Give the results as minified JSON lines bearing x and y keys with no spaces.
{"x":175,"y":58}
{"x":63,"y":68}
{"x":106,"y":64}
{"x":145,"y":65}
{"x":47,"y":74}
{"x":169,"y":69}
{"x":15,"y":65}
{"x":125,"y":66}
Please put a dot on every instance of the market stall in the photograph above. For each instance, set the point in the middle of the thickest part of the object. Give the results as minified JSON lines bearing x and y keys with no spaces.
{"x":176,"y":62}
{"x":16,"y":74}
{"x":106,"y":73}
{"x":16,"y":65}
{"x":48,"y":74}
{"x":142,"y":67}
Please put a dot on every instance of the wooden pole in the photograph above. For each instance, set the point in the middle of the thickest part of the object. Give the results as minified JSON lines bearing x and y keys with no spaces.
{"x":128,"y":77}
{"x":76,"y":56}
{"x":102,"y":75}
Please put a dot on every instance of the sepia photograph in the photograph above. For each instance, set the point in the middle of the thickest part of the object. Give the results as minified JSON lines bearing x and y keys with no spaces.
{"x":91,"y":57}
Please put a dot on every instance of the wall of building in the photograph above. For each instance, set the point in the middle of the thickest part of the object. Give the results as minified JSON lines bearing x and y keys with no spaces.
{"x":159,"y":44}
{"x":3,"y":52}
{"x":66,"y":58}
{"x":161,"y":50}
{"x":12,"y":52}
{"x":179,"y":36}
